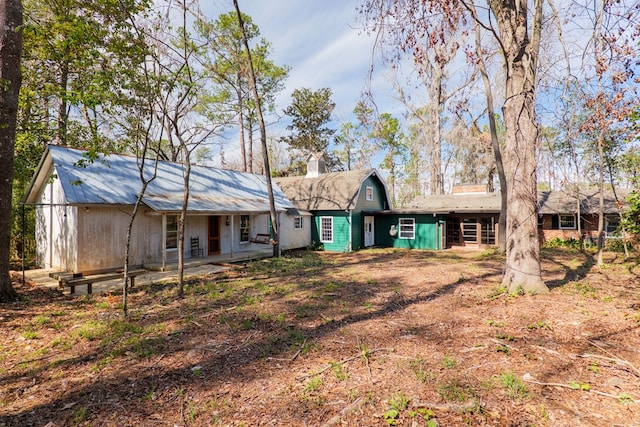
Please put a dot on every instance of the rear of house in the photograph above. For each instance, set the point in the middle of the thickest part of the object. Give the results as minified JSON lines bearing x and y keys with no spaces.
{"x":83,"y":210}
{"x":343,"y":205}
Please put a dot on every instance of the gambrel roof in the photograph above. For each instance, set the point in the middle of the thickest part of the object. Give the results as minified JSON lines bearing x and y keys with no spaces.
{"x":114,"y":179}
{"x":332,"y":191}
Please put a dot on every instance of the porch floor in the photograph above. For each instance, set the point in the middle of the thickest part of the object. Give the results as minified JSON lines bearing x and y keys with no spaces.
{"x":213,"y":259}
{"x":192,"y":268}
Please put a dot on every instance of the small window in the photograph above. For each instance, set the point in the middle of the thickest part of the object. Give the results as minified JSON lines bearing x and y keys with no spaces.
{"x":245,"y":224}
{"x":297,"y":223}
{"x":172,"y":232}
{"x":407,"y":228}
{"x":368,"y":193}
{"x":326,"y":229}
{"x":567,"y":222}
{"x":612,"y":225}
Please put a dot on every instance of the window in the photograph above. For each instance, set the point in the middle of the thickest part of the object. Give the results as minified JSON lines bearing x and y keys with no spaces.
{"x":612,"y":224}
{"x":407,"y":228}
{"x":567,"y":222}
{"x":326,"y":229}
{"x":488,"y":231}
{"x":245,"y":223}
{"x":470,"y":230}
{"x":172,"y":232}
{"x":297,"y":223}
{"x":368,"y":193}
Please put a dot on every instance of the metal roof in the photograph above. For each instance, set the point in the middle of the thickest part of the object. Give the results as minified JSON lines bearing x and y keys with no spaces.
{"x":114,"y":179}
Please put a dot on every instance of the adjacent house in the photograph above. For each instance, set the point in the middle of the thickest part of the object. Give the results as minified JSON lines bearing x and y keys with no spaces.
{"x":343,"y":204}
{"x":83,"y":209}
{"x":463,"y":219}
{"x":559,"y":213}
{"x":470,"y":218}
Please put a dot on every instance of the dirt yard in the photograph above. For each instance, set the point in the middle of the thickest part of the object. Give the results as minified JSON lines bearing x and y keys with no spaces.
{"x":373,"y":338}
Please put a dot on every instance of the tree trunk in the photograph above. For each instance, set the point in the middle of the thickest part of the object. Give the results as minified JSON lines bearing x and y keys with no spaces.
{"x":263,"y":135}
{"x":522,"y":269}
{"x":10,"y":53}
{"x":243,"y":155}
{"x":435,"y":157}
{"x":495,"y":144}
{"x":599,"y":260}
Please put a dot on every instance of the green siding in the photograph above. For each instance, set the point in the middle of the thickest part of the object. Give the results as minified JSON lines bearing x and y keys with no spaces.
{"x":377,"y":204}
{"x":350,"y":226}
{"x":340,"y":231}
{"x":428,"y":232}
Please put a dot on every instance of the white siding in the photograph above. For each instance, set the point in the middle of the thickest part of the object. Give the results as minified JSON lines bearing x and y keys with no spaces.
{"x":291,"y":237}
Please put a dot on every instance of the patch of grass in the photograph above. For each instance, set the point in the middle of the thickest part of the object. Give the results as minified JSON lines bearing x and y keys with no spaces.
{"x":516,"y":389}
{"x":339,"y":371}
{"x":313,"y":384}
{"x":496,"y":324}
{"x":150,"y":395}
{"x":506,"y":337}
{"x":586,"y":290}
{"x":449,"y":362}
{"x":92,"y":330}
{"x":419,"y":368}
{"x":540,"y":324}
{"x":397,"y":403}
{"x":503,"y":349}
{"x":30,"y":335}
{"x":79,"y":415}
{"x":454,"y":391}
{"x":497,"y":292}
{"x":40,"y":320}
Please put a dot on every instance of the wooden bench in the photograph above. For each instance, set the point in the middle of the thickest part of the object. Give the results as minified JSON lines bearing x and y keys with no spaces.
{"x":261,"y":238}
{"x":70,"y":280}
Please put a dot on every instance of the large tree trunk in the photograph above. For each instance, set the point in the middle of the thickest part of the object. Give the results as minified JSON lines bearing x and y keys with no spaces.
{"x":10,"y":53}
{"x":522,"y":269}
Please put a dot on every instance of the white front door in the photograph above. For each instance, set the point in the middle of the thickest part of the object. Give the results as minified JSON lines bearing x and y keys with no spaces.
{"x":369,"y":237}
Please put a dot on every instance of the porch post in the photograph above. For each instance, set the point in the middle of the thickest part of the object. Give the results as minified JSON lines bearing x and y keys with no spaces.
{"x":232,"y":236}
{"x":164,"y":241}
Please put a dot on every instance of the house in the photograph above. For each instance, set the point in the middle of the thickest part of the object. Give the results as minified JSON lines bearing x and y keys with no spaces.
{"x":83,"y":209}
{"x":471,"y":218}
{"x":464,"y":219}
{"x":558,"y":213}
{"x":343,"y":205}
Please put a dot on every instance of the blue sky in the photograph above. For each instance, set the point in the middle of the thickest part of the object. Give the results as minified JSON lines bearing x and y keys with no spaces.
{"x":321,"y":41}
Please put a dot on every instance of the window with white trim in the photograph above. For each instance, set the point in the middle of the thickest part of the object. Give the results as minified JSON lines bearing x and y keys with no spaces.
{"x":612,"y":223}
{"x":171,"y":232}
{"x":326,"y":229}
{"x":407,"y":228}
{"x":567,"y":222}
{"x":297,"y":222}
{"x":368,"y":193}
{"x":245,"y":224}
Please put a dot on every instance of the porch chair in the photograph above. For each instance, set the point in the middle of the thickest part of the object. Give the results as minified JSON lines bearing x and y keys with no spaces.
{"x":196,"y":250}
